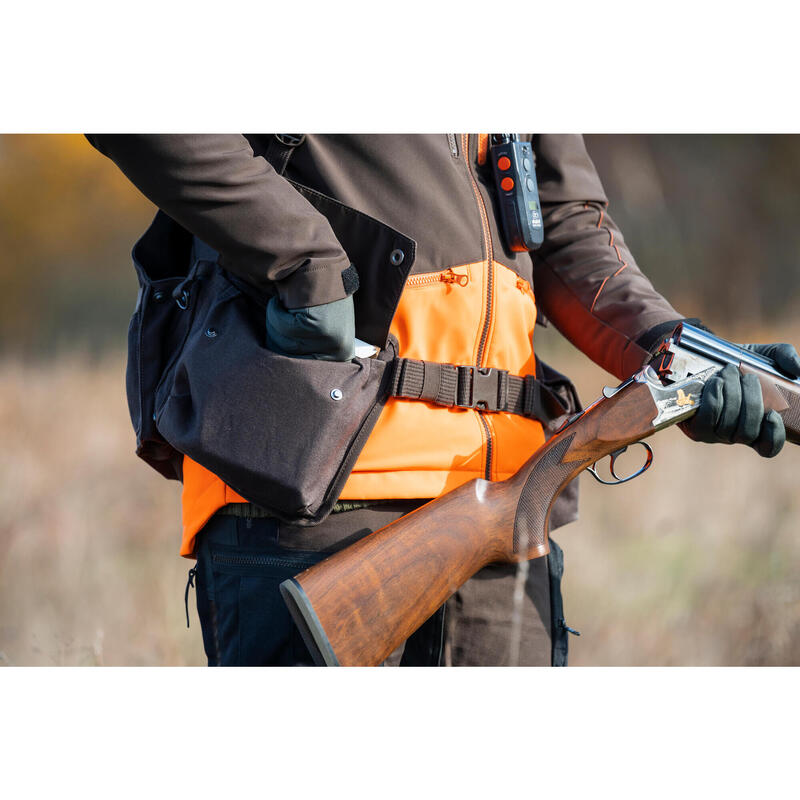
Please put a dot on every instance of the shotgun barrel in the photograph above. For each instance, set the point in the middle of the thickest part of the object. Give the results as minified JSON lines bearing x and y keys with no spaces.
{"x":691,"y":350}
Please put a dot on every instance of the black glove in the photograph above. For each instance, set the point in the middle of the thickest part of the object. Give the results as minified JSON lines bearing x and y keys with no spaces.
{"x":325,"y":332}
{"x":784,"y":356}
{"x":732,"y":407}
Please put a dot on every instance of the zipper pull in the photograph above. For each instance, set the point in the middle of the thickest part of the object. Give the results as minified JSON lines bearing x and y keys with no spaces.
{"x":451,"y":276}
{"x":451,"y":141}
{"x":524,"y":286}
{"x":563,"y":623}
{"x":189,"y":583}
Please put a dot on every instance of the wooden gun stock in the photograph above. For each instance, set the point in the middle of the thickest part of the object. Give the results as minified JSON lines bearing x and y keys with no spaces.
{"x":360,"y":604}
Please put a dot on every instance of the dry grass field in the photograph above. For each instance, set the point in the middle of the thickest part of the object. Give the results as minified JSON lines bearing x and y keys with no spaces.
{"x":695,"y":563}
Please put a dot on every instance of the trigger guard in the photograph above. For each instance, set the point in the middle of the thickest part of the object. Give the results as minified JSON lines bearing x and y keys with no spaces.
{"x":614,"y":456}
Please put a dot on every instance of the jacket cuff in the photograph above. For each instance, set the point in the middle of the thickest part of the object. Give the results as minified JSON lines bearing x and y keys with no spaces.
{"x":652,"y":338}
{"x":317,"y":283}
{"x":640,"y":352}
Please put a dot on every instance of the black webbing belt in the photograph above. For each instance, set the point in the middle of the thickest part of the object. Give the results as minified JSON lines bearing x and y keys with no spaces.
{"x":483,"y":388}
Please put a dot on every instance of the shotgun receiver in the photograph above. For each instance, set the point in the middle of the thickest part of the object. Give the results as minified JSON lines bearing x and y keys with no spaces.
{"x":358,"y":605}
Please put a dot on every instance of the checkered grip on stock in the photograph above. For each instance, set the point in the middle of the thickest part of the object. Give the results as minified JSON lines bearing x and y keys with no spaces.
{"x":542,"y":483}
{"x":791,"y":417}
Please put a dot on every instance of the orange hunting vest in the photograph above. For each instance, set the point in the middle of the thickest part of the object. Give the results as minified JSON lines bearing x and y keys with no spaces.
{"x":480,"y":314}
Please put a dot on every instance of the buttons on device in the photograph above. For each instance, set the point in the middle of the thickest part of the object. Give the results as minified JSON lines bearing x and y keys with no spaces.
{"x":507,"y":184}
{"x":504,"y":163}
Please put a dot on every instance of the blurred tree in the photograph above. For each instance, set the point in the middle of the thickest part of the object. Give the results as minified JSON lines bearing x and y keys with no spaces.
{"x":712,"y":219}
{"x":68,"y":219}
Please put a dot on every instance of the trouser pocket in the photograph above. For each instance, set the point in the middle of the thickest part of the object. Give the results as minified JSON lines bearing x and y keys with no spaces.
{"x":243,"y":617}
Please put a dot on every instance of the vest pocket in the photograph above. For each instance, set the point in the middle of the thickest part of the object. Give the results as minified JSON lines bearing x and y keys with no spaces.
{"x":281,"y":432}
{"x":164,"y":321}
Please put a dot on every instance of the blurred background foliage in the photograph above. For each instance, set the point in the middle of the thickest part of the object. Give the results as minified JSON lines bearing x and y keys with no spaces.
{"x":694,"y":563}
{"x":68,"y":220}
{"x":713,"y":220}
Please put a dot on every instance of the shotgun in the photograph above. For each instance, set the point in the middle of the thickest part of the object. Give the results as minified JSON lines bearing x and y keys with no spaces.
{"x":358,"y":605}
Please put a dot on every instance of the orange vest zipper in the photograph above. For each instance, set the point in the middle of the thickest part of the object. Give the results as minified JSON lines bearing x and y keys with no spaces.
{"x":489,"y":306}
{"x":447,"y":276}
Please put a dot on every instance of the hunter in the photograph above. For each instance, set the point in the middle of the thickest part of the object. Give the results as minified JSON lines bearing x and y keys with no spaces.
{"x":419,"y":219}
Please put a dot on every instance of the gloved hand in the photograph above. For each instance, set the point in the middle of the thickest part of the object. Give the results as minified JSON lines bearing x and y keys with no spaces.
{"x":732,"y":407}
{"x":325,"y":332}
{"x":784,"y":356}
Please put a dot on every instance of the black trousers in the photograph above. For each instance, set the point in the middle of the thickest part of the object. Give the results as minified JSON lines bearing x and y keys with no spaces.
{"x":499,"y":617}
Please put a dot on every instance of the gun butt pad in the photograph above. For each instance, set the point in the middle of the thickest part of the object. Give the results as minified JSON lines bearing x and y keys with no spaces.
{"x":304,"y":616}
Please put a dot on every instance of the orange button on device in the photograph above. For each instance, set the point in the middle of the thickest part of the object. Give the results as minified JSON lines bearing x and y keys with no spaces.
{"x":507,"y":184}
{"x":504,"y":162}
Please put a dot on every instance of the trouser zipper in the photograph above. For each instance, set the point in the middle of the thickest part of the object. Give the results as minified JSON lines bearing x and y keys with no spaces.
{"x":489,"y":307}
{"x":251,"y":560}
{"x":189,"y":584}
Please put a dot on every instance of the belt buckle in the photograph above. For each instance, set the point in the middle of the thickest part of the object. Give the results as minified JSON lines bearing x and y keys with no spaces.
{"x":290,"y":139}
{"x":485,"y":384}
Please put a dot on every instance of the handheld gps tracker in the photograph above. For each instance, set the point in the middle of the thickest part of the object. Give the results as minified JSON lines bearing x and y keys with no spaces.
{"x":518,"y":194}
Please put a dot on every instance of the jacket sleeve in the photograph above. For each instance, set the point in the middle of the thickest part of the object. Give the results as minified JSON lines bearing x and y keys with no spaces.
{"x":586,"y":279}
{"x":214,"y":186}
